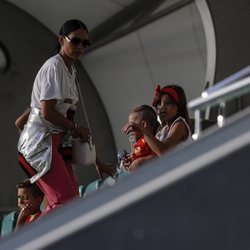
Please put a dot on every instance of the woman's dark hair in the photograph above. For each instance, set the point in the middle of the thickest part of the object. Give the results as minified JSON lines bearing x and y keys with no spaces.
{"x":182,"y":100}
{"x":70,"y":26}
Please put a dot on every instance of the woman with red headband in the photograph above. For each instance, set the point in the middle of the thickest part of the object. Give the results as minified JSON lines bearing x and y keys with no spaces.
{"x":171,"y":105}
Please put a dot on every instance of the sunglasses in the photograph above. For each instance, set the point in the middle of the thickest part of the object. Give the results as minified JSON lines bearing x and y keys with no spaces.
{"x":77,"y":41}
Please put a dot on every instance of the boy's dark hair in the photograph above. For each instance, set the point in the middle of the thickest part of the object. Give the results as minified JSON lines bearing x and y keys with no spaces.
{"x":148,"y":114}
{"x":36,"y":191}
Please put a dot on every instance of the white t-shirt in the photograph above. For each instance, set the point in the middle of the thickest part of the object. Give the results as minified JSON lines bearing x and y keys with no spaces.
{"x":54,"y":81}
{"x":162,"y":135}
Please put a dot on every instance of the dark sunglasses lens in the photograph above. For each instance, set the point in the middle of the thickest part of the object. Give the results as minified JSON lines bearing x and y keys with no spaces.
{"x":76,"y":41}
{"x":86,"y":43}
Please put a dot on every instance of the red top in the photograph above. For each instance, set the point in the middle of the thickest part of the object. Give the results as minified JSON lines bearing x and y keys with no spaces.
{"x":32,"y":217}
{"x":141,"y":149}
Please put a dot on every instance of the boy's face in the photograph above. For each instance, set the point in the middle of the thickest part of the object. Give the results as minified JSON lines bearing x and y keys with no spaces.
{"x":135,"y":118}
{"x":26,"y":198}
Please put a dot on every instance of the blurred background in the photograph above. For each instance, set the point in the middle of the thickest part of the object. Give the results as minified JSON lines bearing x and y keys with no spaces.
{"x":136,"y":44}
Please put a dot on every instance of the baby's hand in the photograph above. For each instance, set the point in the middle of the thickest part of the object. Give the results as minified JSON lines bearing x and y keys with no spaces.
{"x":126,"y":129}
{"x":126,"y":161}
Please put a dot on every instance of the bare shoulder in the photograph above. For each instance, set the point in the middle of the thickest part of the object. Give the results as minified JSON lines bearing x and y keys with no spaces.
{"x":180,"y":128}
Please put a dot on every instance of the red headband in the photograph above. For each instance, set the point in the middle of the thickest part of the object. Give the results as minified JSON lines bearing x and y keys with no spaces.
{"x":172,"y":93}
{"x":167,"y":90}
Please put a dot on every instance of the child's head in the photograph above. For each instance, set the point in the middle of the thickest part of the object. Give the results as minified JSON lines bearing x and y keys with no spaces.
{"x":170,"y":103}
{"x":29,"y":195}
{"x":146,"y":117}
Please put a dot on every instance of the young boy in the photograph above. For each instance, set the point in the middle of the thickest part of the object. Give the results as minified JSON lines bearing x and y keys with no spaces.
{"x":29,"y":198}
{"x":146,"y":117}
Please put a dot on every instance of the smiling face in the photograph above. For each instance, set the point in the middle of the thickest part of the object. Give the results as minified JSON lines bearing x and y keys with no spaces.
{"x":167,"y":109}
{"x":74,"y":44}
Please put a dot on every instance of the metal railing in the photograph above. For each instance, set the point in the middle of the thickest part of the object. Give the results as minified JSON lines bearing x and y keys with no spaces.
{"x":229,"y":88}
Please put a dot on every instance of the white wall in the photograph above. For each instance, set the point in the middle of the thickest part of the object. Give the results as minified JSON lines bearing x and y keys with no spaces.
{"x":125,"y":72}
{"x":171,"y":50}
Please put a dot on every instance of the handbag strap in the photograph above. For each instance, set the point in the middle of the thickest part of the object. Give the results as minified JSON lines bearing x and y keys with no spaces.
{"x":82,"y":103}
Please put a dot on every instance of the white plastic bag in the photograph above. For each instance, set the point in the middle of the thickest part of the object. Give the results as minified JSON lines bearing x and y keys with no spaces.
{"x":83,"y":153}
